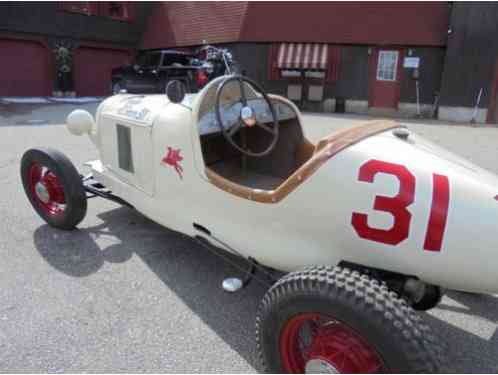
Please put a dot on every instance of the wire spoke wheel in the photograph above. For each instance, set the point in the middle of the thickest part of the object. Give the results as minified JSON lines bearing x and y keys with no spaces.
{"x":54,"y":187}
{"x":47,"y":189}
{"x":326,"y":319}
{"x":312,"y":342}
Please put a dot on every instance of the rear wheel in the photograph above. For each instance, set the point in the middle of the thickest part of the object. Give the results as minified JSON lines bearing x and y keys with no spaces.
{"x":326,"y":319}
{"x":54,"y":187}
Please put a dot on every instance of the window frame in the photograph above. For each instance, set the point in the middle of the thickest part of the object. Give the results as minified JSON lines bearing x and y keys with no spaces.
{"x":302,"y":75}
{"x":127,"y":10}
{"x":381,"y":68}
{"x":76,"y":7}
{"x":99,"y":9}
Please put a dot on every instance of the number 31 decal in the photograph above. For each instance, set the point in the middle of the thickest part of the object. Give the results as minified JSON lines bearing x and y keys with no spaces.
{"x":397,"y":206}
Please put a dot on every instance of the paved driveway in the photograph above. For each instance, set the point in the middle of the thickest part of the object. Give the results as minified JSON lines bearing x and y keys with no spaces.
{"x":124,"y":294}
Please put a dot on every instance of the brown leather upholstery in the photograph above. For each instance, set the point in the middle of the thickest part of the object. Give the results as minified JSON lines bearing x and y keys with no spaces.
{"x":324,"y":150}
{"x":283,"y":160}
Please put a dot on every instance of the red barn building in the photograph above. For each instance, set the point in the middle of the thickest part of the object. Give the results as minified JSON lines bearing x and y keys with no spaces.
{"x":355,"y":56}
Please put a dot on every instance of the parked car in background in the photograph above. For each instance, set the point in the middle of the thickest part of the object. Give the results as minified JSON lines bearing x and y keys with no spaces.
{"x":153,"y":69}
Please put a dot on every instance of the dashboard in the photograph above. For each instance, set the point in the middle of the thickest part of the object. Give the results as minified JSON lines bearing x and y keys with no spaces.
{"x":230,"y":113}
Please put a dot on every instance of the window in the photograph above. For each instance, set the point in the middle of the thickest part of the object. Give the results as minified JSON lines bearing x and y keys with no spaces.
{"x":84,"y":7}
{"x":148,"y":59}
{"x":154,"y":59}
{"x":290,"y":73}
{"x":318,"y":74}
{"x":119,"y":10}
{"x":175,"y":58}
{"x":125,"y":158}
{"x":387,"y":65}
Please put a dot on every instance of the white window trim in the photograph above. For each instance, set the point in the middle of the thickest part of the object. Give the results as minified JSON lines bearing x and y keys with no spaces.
{"x":395,"y":66}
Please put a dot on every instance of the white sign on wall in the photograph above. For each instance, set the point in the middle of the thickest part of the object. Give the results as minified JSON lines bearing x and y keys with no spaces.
{"x":411,"y":62}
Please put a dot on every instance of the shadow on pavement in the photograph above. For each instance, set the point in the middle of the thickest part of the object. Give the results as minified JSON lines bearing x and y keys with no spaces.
{"x":195,"y":275}
{"x":190,"y":271}
{"x":9,"y":110}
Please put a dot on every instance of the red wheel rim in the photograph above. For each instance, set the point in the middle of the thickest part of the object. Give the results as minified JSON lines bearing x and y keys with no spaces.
{"x":314,"y":342}
{"x":46,"y":189}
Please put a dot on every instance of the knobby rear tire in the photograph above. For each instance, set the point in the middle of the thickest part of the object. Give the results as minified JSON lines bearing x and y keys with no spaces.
{"x":384,"y":320}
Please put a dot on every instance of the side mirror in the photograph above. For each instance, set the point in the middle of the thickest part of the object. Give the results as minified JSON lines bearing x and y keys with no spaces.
{"x":176,"y":91}
{"x":80,"y":122}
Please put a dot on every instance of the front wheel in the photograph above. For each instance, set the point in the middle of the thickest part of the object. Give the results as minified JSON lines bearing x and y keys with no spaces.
{"x":334,"y":320}
{"x":54,"y":187}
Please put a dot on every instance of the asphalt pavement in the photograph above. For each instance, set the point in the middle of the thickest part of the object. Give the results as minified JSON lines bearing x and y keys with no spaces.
{"x":123,"y":294}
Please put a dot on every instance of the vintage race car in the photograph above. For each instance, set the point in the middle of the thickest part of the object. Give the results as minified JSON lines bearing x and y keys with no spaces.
{"x":368,"y":224}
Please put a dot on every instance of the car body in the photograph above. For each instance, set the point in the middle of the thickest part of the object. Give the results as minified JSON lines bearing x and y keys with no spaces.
{"x":322,"y":219}
{"x":365,"y":222}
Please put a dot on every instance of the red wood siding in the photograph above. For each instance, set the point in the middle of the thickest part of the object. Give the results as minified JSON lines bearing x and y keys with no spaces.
{"x":404,"y":23}
{"x":333,"y":65}
{"x":24,"y":68}
{"x":377,"y":23}
{"x":190,"y":23}
{"x":92,"y":69}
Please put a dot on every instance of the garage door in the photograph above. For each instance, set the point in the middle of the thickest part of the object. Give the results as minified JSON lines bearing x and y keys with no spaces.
{"x":24,"y":69}
{"x":92,"y":69}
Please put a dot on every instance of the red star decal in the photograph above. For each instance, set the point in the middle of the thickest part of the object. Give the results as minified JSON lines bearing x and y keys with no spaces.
{"x":173,"y":158}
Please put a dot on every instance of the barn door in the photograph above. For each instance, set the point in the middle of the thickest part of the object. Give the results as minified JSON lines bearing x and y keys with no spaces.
{"x":385,"y":78}
{"x":24,"y":68}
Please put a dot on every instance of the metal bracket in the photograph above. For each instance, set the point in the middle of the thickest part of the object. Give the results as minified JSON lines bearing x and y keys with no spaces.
{"x":96,"y":189}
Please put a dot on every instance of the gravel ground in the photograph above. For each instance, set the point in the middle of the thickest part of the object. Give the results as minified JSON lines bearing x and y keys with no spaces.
{"x":124,"y":294}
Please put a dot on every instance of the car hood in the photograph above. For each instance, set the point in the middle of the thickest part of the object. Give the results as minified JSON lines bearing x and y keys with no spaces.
{"x":140,"y":108}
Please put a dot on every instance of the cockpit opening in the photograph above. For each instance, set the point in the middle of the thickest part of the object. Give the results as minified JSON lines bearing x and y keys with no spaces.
{"x":261,"y":155}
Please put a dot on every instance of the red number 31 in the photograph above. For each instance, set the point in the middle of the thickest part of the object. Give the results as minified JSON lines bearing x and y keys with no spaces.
{"x":397,"y":206}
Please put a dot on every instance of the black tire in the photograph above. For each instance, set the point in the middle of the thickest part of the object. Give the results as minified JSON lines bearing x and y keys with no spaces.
{"x":70,"y":180}
{"x":378,"y":315}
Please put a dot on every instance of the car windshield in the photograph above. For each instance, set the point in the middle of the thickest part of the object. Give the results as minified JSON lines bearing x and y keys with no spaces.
{"x":175,"y":58}
{"x":149,"y":59}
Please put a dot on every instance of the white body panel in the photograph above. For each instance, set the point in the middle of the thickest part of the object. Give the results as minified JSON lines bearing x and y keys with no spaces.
{"x":313,"y":224}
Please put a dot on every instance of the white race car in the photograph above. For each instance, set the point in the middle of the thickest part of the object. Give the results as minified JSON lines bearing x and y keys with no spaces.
{"x":369,"y":224}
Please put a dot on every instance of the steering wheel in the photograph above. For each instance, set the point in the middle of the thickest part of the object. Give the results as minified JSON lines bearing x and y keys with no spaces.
{"x":247,"y":117}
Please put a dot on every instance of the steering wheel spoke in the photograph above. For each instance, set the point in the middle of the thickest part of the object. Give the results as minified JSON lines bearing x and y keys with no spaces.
{"x":234,"y":129}
{"x":243,"y":98}
{"x":266,"y":128}
{"x":247,"y":116}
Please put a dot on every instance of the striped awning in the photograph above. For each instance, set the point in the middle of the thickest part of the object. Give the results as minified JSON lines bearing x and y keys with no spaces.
{"x":302,"y":56}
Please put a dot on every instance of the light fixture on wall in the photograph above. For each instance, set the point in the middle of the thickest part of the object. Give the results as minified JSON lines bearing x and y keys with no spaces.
{"x":410,"y":52}
{"x":369,"y":51}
